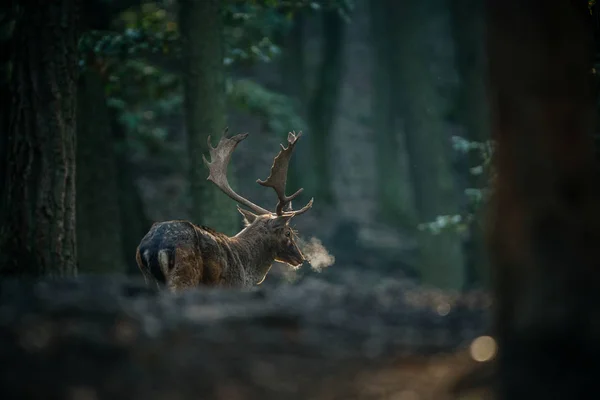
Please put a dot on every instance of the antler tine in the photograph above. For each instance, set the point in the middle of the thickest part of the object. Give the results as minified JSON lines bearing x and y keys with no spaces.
{"x":223,"y":134}
{"x":220,"y":157}
{"x":300,"y":211}
{"x":278,"y":177}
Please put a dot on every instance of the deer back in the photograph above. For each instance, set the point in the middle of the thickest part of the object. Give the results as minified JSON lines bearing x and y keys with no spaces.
{"x":182,"y":255}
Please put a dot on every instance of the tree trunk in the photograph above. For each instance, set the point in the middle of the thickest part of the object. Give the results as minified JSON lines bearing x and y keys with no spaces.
{"x":38,"y":153}
{"x":99,"y":246}
{"x":8,"y":15}
{"x":544,"y":215}
{"x":204,"y":100}
{"x":424,"y":80}
{"x":472,"y":112}
{"x":293,"y":72}
{"x":324,"y":100}
{"x":134,"y":221}
{"x":293,"y":63}
{"x":395,"y":190}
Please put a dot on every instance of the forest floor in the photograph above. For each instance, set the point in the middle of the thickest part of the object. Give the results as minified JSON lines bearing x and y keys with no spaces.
{"x":323,"y":337}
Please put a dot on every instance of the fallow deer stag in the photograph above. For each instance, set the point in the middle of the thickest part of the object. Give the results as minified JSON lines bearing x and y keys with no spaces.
{"x":183,"y":255}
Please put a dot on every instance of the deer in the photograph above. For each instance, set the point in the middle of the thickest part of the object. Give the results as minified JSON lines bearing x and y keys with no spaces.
{"x":181,"y":255}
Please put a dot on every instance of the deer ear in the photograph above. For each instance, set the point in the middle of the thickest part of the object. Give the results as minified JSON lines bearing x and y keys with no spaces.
{"x":248,"y":216}
{"x":281,"y":221}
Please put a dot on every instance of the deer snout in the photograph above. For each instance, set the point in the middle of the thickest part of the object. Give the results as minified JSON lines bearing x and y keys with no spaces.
{"x":299,"y":257}
{"x":291,"y":255}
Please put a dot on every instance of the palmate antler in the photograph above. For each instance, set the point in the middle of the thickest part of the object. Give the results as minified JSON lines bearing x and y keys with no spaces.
{"x":220,"y":157}
{"x":278,"y":178}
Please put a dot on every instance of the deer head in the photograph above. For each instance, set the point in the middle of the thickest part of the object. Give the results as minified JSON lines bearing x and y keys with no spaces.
{"x":272,"y":227}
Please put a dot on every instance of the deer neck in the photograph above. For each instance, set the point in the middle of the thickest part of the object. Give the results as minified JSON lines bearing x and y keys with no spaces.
{"x":255,"y":252}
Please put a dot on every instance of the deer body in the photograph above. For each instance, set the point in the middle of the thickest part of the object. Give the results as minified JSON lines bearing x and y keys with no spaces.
{"x":182,"y":255}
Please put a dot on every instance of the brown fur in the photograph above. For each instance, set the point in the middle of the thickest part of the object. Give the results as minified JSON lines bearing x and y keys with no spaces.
{"x":183,"y":255}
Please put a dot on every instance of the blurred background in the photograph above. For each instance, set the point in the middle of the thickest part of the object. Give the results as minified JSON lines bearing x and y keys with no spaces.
{"x":389,"y":96}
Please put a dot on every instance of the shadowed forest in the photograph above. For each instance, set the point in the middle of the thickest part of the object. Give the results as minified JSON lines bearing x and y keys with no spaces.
{"x":155,"y":243}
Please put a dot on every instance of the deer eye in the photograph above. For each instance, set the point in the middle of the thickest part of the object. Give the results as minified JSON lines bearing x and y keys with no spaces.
{"x":288,"y":234}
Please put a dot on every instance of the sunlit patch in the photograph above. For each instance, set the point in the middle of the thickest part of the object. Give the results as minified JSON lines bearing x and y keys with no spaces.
{"x":124,"y":332}
{"x":443,"y":308}
{"x":438,"y":371}
{"x":82,"y":393}
{"x":483,"y":348}
{"x":406,"y":395}
{"x":36,"y":336}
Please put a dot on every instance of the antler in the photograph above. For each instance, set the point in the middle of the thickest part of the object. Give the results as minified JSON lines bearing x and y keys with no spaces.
{"x":220,"y":157}
{"x":278,"y":178}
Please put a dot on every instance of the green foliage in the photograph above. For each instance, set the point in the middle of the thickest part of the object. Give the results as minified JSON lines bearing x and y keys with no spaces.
{"x":139,"y":31}
{"x":248,"y":31}
{"x":477,"y":196}
{"x":144,"y":94}
{"x":291,"y":6}
{"x":249,"y":27}
{"x":275,"y":109}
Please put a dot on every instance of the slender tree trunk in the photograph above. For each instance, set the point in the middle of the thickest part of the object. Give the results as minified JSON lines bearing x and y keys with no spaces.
{"x":109,"y":223}
{"x":294,"y":61}
{"x":204,"y":90}
{"x":134,"y":221}
{"x":472,"y":110}
{"x":9,"y":12}
{"x":37,"y":213}
{"x":424,"y":81}
{"x":544,"y":215}
{"x":324,"y":100}
{"x":99,"y":229}
{"x":395,"y":190}
{"x":293,"y":74}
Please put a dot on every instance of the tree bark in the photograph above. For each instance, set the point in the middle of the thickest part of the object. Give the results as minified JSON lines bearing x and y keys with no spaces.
{"x":99,"y":242}
{"x":324,"y":100}
{"x":204,"y":103}
{"x":544,"y":216}
{"x":37,"y":211}
{"x":424,"y":81}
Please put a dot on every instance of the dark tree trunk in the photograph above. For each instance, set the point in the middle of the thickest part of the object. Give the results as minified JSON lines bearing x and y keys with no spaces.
{"x":544,"y":215}
{"x":99,"y":229}
{"x":204,"y":92}
{"x":294,"y":61}
{"x":100,"y":209}
{"x":395,"y":189}
{"x":38,"y":153}
{"x":324,"y":100}
{"x":424,"y":78}
{"x":8,"y":15}
{"x":294,"y":81}
{"x":134,"y":221}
